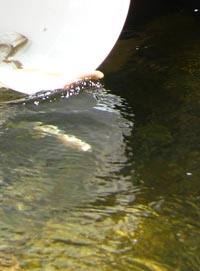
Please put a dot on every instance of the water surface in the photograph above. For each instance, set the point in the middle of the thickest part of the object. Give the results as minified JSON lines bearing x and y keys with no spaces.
{"x":130,"y":203}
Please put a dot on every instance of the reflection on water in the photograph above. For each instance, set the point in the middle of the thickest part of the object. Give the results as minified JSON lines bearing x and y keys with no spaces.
{"x":130,"y":203}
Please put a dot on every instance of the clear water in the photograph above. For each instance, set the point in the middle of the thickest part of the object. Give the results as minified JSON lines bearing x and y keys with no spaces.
{"x":130,"y":203}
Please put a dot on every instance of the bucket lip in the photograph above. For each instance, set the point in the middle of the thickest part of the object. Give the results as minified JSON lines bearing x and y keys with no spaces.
{"x":66,"y":38}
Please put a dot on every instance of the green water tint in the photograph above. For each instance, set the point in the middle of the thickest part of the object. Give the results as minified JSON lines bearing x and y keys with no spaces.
{"x":160,"y":77}
{"x":133,"y":202}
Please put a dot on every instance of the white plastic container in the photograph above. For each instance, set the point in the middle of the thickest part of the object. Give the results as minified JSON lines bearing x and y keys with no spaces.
{"x":66,"y":39}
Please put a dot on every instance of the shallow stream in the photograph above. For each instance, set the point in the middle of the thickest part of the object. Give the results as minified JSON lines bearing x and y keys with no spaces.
{"x":130,"y":201}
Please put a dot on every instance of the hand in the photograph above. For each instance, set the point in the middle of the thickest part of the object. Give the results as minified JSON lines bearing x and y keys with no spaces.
{"x":95,"y":75}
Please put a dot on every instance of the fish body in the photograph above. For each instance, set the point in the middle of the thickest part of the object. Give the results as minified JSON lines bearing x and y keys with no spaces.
{"x":70,"y":140}
{"x":39,"y":130}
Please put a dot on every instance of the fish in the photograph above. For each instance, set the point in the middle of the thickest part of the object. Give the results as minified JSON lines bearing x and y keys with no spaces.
{"x":38,"y":130}
{"x":69,"y":140}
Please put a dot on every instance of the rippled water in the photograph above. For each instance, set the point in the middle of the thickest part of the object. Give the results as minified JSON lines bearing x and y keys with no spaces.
{"x":131,"y":202}
{"x":54,"y":195}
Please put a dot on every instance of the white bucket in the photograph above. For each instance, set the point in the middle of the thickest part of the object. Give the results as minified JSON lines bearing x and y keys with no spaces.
{"x":66,"y":39}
